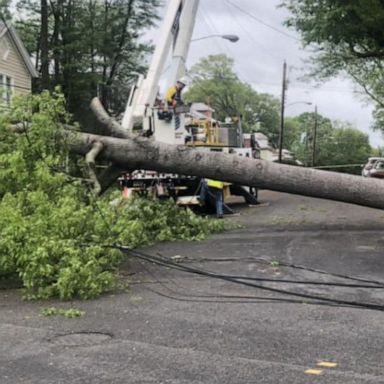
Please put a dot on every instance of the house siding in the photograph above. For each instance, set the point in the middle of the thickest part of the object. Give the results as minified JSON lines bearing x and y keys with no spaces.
{"x":14,"y":67}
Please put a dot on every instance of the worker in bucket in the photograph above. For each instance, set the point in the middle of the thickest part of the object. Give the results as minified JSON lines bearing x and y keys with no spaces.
{"x":173,"y":94}
{"x":173,"y":98}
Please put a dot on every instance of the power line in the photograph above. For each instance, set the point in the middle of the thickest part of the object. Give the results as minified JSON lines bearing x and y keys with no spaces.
{"x":213,"y":298}
{"x":211,"y":26}
{"x":265,"y":261}
{"x":236,"y":280}
{"x":250,"y":37}
{"x":262,"y":22}
{"x":292,"y":85}
{"x":314,"y":89}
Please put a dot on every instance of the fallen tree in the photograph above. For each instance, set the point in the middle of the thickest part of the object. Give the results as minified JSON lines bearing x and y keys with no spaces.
{"x":125,"y":152}
{"x":56,"y":236}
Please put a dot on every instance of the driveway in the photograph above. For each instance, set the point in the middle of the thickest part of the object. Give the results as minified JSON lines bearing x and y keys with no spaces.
{"x":175,"y":326}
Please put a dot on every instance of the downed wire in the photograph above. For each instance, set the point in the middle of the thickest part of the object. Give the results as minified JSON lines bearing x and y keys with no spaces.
{"x":377,"y":285}
{"x":231,"y":299}
{"x":168,"y":263}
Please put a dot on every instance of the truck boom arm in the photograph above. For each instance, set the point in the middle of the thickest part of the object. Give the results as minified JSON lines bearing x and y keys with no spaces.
{"x":176,"y":31}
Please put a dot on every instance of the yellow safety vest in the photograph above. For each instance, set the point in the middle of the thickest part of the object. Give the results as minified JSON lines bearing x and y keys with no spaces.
{"x":215,"y":184}
{"x":170,"y":94}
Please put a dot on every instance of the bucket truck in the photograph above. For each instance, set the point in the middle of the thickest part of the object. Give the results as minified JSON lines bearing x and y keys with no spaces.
{"x":145,"y":111}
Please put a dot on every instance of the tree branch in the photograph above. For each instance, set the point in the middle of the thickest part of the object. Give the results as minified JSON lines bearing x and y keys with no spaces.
{"x":367,"y":54}
{"x":109,"y":176}
{"x":90,"y":160}
{"x":113,"y":127}
{"x":367,"y":90}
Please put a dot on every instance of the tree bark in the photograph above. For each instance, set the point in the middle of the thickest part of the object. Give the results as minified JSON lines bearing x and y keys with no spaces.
{"x":90,"y":160}
{"x":44,"y":49}
{"x":143,"y":153}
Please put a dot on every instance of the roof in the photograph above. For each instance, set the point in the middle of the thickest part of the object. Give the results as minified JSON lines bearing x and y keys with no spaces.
{"x":201,"y":107}
{"x":4,"y":28}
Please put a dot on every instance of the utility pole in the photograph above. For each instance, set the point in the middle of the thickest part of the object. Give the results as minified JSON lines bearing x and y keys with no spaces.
{"x":314,"y":139}
{"x":284,"y":89}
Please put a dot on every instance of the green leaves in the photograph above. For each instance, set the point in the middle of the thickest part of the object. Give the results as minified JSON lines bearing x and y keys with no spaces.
{"x":55,"y":236}
{"x":69,"y":313}
{"x":347,"y":37}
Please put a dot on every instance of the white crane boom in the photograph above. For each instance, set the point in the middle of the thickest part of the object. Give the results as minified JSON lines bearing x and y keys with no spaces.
{"x":176,"y":31}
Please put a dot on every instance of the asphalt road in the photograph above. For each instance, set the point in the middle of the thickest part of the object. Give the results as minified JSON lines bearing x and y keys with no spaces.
{"x":174,"y":327}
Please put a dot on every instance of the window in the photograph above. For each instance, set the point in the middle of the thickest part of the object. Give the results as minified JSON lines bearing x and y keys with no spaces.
{"x":5,"y":89}
{"x":4,"y":49}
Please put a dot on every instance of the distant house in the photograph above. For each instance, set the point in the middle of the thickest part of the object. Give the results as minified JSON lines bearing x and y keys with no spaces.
{"x":16,"y":67}
{"x":264,"y":148}
{"x":201,"y":111}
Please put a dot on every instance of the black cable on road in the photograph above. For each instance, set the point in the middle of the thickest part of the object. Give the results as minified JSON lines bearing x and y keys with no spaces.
{"x":378,"y":283}
{"x":229,"y":299}
{"x":170,"y":264}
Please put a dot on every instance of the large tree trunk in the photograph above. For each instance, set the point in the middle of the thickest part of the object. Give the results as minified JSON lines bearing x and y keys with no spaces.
{"x":125,"y":152}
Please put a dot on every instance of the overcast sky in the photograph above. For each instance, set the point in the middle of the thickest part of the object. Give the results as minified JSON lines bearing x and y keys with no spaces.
{"x":259,"y":55}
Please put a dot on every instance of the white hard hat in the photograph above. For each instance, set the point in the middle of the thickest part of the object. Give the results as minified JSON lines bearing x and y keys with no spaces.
{"x":183,"y":80}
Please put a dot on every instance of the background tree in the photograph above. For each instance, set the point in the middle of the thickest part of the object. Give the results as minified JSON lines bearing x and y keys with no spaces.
{"x":215,"y":82}
{"x":348,"y":146}
{"x":337,"y":143}
{"x":347,"y":37}
{"x":4,"y":9}
{"x":89,"y":47}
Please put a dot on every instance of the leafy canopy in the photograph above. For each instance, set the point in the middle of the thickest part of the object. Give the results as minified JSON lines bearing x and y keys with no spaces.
{"x":347,"y":37}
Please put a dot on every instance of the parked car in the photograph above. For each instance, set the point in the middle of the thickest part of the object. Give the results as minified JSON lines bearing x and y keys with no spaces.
{"x":377,"y":170}
{"x":369,"y":166}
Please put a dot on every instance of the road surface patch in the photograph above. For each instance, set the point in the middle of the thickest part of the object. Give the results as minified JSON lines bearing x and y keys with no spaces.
{"x":327,"y":364}
{"x":313,"y":371}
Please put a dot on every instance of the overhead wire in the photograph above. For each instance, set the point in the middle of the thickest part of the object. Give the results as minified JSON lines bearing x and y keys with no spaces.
{"x":252,"y":39}
{"x":262,"y":22}
{"x":312,"y":89}
{"x":208,"y":22}
{"x":205,"y":17}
